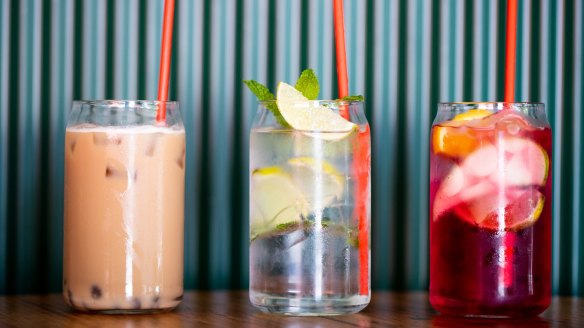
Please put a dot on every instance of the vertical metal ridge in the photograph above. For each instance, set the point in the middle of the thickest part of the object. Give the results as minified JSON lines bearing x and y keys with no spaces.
{"x":61,"y":94}
{"x":78,"y":58}
{"x":27,"y":171}
{"x":566,"y":95}
{"x":553,"y":54}
{"x":535,"y":27}
{"x":140,"y":76}
{"x":378,"y":121}
{"x":205,"y":187}
{"x":468,"y":51}
{"x":577,"y":192}
{"x":305,"y":32}
{"x":417,"y":151}
{"x":13,"y":147}
{"x":189,"y":58}
{"x":238,"y":167}
{"x":175,"y":45}
{"x":110,"y":36}
{"x":221,"y":134}
{"x":271,"y":46}
{"x":399,"y":224}
{"x":154,"y":18}
{"x":4,"y":142}
{"x":501,"y":19}
{"x":43,"y":187}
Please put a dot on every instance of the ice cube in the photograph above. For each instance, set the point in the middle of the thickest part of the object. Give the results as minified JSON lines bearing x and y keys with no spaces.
{"x":72,"y":145}
{"x":482,"y":161}
{"x":106,"y":139}
{"x":151,"y":147}
{"x":116,"y":174}
{"x":181,"y":160}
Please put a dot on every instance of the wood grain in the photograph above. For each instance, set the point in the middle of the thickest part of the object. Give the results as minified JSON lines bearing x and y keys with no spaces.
{"x":232,"y":309}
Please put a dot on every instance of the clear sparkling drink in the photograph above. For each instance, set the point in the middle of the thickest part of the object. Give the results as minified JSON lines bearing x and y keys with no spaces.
{"x":309,"y":217}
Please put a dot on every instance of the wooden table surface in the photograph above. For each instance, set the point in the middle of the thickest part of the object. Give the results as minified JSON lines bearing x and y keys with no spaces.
{"x":232,"y":309}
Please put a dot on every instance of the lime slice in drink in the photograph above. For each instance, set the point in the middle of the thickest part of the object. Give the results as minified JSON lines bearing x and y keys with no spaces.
{"x":310,"y":117}
{"x":514,"y":210}
{"x":276,"y":200}
{"x":318,"y":179}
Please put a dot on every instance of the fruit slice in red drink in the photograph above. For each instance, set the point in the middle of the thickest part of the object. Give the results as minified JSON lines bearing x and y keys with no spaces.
{"x":526,"y":163}
{"x":452,"y":139}
{"x":492,"y":179}
{"x":511,"y":210}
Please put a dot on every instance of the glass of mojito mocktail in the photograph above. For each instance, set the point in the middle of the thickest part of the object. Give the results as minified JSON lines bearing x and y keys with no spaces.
{"x":490,"y":209}
{"x":309,"y":206}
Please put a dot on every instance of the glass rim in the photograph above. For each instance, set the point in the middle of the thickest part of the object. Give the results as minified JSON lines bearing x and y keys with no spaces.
{"x":491,"y":106}
{"x":466,"y":103}
{"x":319,"y":101}
{"x":122,"y":101}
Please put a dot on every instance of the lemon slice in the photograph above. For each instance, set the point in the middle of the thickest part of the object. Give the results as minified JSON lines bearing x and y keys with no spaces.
{"x":515,"y":210}
{"x":319,"y":180}
{"x":275,"y":200}
{"x":310,"y":117}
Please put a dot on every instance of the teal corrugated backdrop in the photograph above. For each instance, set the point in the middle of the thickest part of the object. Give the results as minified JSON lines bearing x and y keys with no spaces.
{"x":404,"y":56}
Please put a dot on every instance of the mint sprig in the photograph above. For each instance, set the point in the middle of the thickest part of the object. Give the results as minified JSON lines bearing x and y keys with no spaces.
{"x":264,"y":94}
{"x":308,"y":85}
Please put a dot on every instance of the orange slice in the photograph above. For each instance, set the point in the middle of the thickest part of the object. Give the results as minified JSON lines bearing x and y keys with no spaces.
{"x":452,"y":139}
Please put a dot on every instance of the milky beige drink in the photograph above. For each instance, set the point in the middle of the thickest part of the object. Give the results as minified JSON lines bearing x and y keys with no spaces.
{"x":124,"y":200}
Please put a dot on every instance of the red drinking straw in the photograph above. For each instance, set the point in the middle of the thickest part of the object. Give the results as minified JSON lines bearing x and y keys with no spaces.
{"x":343,"y":76}
{"x":362,"y":158}
{"x":506,"y":271}
{"x":510,"y":51}
{"x":165,"y":56}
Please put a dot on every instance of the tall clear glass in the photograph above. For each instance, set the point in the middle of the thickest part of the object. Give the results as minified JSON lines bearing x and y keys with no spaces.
{"x":309,"y":215}
{"x":491,"y":205}
{"x":124,"y":207}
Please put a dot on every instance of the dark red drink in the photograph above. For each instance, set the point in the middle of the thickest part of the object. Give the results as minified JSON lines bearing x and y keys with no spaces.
{"x":490,"y":210}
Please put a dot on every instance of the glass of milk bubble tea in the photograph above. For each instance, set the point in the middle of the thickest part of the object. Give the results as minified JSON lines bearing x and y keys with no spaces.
{"x":124,"y":206}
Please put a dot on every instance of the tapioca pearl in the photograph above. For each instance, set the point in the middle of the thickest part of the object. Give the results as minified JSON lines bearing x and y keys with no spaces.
{"x":96,"y":292}
{"x":136,"y":303}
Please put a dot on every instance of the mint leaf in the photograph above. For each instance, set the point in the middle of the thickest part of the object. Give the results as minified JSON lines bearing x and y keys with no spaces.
{"x":259,"y":90}
{"x":354,"y":98}
{"x":264,"y":94}
{"x":307,"y":84}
